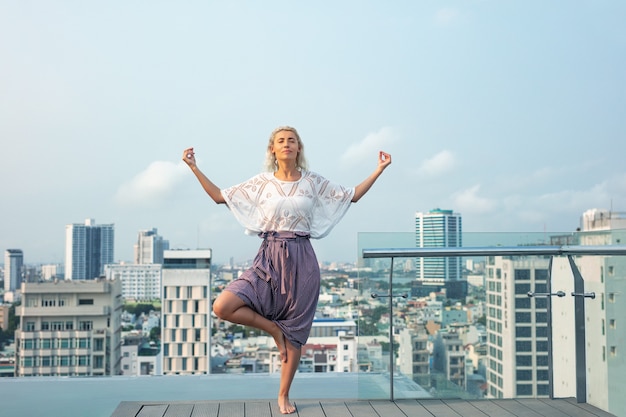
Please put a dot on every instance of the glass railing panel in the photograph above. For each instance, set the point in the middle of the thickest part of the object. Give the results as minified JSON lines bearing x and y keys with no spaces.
{"x":485,"y":337}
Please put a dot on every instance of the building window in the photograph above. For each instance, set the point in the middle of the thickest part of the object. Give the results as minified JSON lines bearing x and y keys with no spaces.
{"x":543,"y":389}
{"x":524,"y":375}
{"x":69,"y":325}
{"x":613,"y":351}
{"x":522,"y":317}
{"x":45,"y":325}
{"x":98,"y":362}
{"x":522,"y":302}
{"x":49,"y":302}
{"x":85,"y":325}
{"x":523,"y":331}
{"x":612,"y":324}
{"x":524,"y":389}
{"x":57,"y":325}
{"x":85,"y":302}
{"x":541,"y":317}
{"x":524,"y":360}
{"x":542,"y":360}
{"x":98,"y":345}
{"x":523,"y":346}
{"x":29,"y":344}
{"x":29,"y":326}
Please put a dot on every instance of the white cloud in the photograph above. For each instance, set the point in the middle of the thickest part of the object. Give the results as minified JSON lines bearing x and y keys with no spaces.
{"x":447,"y":16}
{"x":152,"y":185}
{"x":367,"y":150}
{"x":468,"y":201}
{"x":443,"y":162}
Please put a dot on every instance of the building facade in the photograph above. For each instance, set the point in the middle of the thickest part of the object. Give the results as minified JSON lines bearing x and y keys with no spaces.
{"x":13,"y":265}
{"x":69,"y":328}
{"x":88,"y":248}
{"x":439,"y":229}
{"x":186,"y":309}
{"x":517,"y":327}
{"x":150,"y":247}
{"x":139,"y":282}
{"x":603,"y":316}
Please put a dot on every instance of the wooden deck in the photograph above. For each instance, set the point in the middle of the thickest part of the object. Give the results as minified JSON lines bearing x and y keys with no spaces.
{"x":354,"y":408}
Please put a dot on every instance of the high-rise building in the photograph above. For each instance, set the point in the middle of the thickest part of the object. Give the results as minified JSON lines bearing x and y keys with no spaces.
{"x":605,"y":276}
{"x":69,"y":328}
{"x":517,"y":327}
{"x":88,"y":248}
{"x":149,"y":247}
{"x":13,"y":264}
{"x":186,"y":309}
{"x":439,"y":229}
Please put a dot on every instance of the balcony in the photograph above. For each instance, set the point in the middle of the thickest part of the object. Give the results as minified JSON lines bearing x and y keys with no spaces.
{"x":506,"y":338}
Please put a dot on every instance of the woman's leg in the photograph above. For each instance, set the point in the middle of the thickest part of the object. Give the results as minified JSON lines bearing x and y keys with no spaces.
{"x":228,"y":306}
{"x":287,"y":372}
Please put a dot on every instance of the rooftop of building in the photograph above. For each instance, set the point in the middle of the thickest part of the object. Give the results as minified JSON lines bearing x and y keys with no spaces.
{"x":328,"y":394}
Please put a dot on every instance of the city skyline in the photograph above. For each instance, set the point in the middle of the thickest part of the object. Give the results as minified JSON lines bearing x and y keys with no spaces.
{"x":509,"y":113}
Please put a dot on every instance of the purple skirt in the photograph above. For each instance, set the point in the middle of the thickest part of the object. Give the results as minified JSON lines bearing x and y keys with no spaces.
{"x":283,"y":284}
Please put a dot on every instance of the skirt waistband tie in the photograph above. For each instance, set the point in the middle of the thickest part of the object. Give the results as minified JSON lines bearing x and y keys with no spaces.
{"x":275,"y":246}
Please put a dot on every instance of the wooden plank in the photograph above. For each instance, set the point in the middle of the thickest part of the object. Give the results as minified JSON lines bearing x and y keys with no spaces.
{"x":588,"y":408}
{"x":464,"y":408}
{"x":257,"y":409}
{"x":309,"y":408}
{"x":205,"y":409}
{"x":386,"y":408}
{"x":438,"y":408}
{"x":179,"y":410}
{"x":491,"y":408}
{"x":361,"y":409}
{"x":517,"y":408}
{"x":231,"y":409}
{"x":335,"y":409}
{"x":127,"y":409}
{"x":153,"y":410}
{"x":413,"y":408}
{"x":542,"y":408}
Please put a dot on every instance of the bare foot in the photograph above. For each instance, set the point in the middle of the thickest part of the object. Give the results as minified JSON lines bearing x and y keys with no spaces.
{"x":285,"y":406}
{"x":279,"y":339}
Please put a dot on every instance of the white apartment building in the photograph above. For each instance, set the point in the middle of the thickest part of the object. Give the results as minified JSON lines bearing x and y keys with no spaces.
{"x":186,"y":309}
{"x":413,"y":355}
{"x":69,"y":328}
{"x":139,"y":282}
{"x":150,"y":247}
{"x":604,"y":316}
{"x":517,"y":327}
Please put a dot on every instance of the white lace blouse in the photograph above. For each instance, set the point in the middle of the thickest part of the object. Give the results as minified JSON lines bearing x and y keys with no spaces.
{"x":312,"y":204}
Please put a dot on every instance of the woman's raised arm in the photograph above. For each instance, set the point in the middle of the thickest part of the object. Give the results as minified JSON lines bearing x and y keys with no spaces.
{"x":384,"y":160}
{"x":211,"y":189}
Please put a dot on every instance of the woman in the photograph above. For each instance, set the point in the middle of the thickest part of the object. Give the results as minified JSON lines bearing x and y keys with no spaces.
{"x":285,"y":206}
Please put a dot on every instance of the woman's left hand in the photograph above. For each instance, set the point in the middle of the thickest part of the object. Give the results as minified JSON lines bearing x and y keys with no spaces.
{"x":384,"y":160}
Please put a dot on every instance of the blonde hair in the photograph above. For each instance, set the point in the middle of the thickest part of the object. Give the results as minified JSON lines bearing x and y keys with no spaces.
{"x":270,"y":158}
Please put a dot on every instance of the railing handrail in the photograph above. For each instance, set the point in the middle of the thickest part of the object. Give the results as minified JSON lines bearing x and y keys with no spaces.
{"x":564,"y":250}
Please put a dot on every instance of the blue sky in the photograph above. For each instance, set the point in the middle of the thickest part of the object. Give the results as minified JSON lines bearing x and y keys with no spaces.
{"x":512,"y":113}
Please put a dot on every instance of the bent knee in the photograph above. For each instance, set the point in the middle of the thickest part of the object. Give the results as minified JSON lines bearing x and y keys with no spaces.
{"x":219,"y":308}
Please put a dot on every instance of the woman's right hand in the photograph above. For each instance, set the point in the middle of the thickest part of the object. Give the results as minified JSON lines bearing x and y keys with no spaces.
{"x":189,"y":157}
